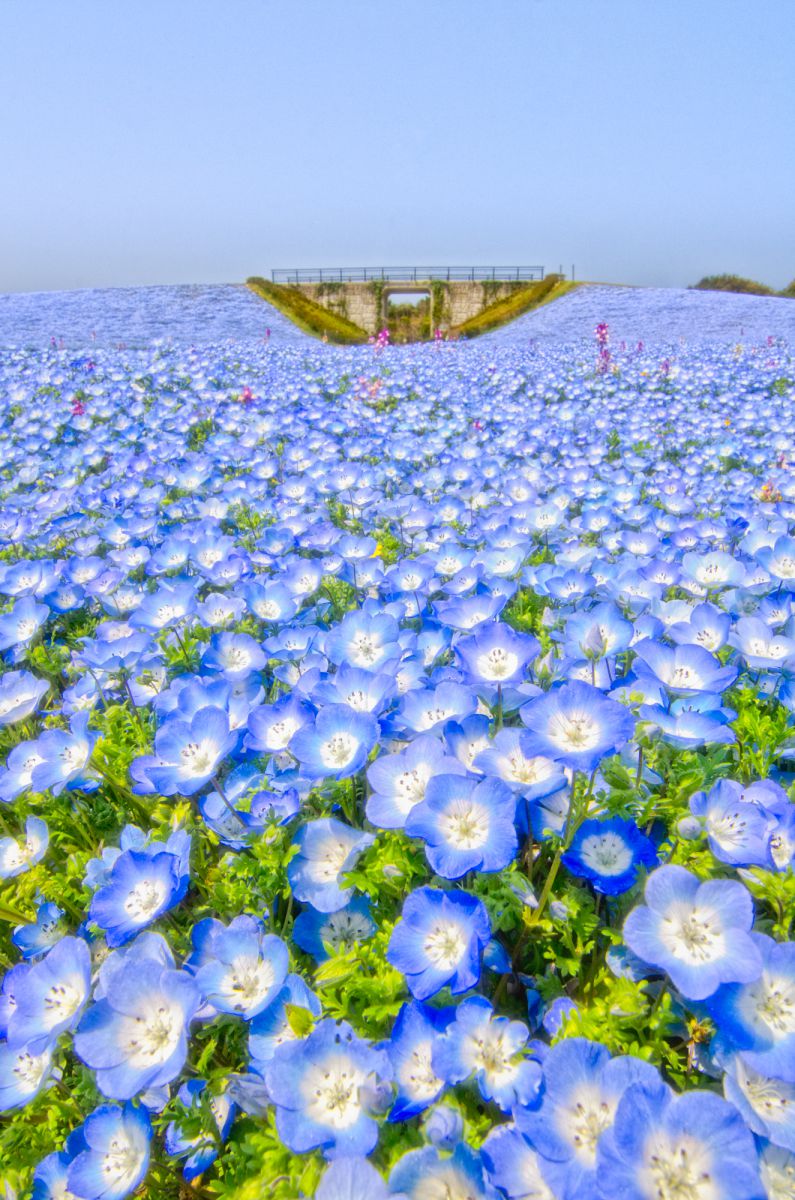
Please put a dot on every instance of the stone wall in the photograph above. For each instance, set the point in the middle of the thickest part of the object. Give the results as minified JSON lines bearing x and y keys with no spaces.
{"x":364,"y":303}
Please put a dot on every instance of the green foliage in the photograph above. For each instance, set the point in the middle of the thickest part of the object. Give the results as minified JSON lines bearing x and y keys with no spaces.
{"x":360,"y":986}
{"x":524,"y":612}
{"x":732,"y":283}
{"x":199,"y":433}
{"x":306,"y":314}
{"x":761,"y":728}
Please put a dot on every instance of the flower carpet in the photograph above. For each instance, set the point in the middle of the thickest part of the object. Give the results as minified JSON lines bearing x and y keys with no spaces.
{"x":397,"y":762}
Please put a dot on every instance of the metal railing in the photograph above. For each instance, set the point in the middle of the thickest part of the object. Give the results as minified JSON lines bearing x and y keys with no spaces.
{"x":405,"y":274}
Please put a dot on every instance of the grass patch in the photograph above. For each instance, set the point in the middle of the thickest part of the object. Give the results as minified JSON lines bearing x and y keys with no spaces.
{"x":515,"y":305}
{"x":312,"y":318}
{"x":736,"y":283}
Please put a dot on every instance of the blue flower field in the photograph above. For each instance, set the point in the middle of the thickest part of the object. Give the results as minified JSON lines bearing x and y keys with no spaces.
{"x":397,"y":753}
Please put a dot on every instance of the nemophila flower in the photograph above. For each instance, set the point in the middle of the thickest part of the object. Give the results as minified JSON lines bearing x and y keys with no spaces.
{"x":199,"y":1149}
{"x":49,"y":1177}
{"x":690,"y":1147}
{"x":465,"y":824}
{"x":187,"y":754}
{"x":326,"y":850}
{"x":54,"y":994}
{"x":760,"y":647}
{"x":490,"y":1048}
{"x":366,"y":638}
{"x":24,"y":1071}
{"x":166,"y":607}
{"x":691,"y":723}
{"x":776,"y":1170}
{"x":36,"y":938}
{"x":582,"y":1087}
{"x":20,"y":626}
{"x":135,"y":1037}
{"x":438,"y":941}
{"x":427,"y":710}
{"x":399,"y":781}
{"x":514,"y":1166}
{"x":468,"y":613}
{"x":576,"y":725}
{"x":141,"y":887}
{"x":443,"y":1126}
{"x":239,"y":969}
{"x":234,"y":655}
{"x":337,"y":744}
{"x":699,"y":933}
{"x":600,"y":633}
{"x":757,"y":1018}
{"x":321,"y":1087}
{"x":353,"y":1178}
{"x":410,"y":1049}
{"x":682,"y":670}
{"x":18,"y":857}
{"x":738,"y":830}
{"x":527,"y":775}
{"x":713,"y":571}
{"x":218,"y":610}
{"x":779,"y":559}
{"x":706,"y":626}
{"x":609,"y":854}
{"x":767,"y":1103}
{"x":65,"y":757}
{"x":20,"y":694}
{"x":320,"y":934}
{"x":270,"y":601}
{"x":497,"y":654}
{"x":110,"y":1153}
{"x":271,"y":726}
{"x":365,"y":691}
{"x":426,"y":1172}
{"x":233,"y":824}
{"x":149,"y":947}
{"x":468,"y":738}
{"x":289,"y":1016}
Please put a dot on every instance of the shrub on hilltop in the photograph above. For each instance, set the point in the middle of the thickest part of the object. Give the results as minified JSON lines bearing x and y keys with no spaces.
{"x":733,"y":283}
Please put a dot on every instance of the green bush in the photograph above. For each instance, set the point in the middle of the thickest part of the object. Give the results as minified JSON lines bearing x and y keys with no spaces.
{"x":306,"y":314}
{"x":732,"y":283}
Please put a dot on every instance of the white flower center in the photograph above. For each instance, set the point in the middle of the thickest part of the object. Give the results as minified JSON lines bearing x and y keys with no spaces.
{"x":606,"y":854}
{"x":145,"y":899}
{"x":326,"y":867}
{"x":121,"y":1163}
{"x":30,"y":1069}
{"x":249,"y":980}
{"x":331,"y":1089}
{"x":339,"y":750}
{"x":574,"y":731}
{"x":445,"y":945}
{"x":416,"y":1074}
{"x":62,"y":1001}
{"x":153,"y":1038}
{"x":445,"y":1183}
{"x":465,"y":825}
{"x":693,"y":935}
{"x":197,"y":757}
{"x":678,"y":1170}
{"x":772,"y":1099}
{"x":497,"y":663}
{"x":770,"y":1002}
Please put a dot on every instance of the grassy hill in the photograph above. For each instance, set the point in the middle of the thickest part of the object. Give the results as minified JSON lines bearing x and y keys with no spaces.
{"x":303,"y":312}
{"x":515,"y":305}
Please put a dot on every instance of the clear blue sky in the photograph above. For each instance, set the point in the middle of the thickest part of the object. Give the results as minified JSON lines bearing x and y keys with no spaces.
{"x":169,"y":141}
